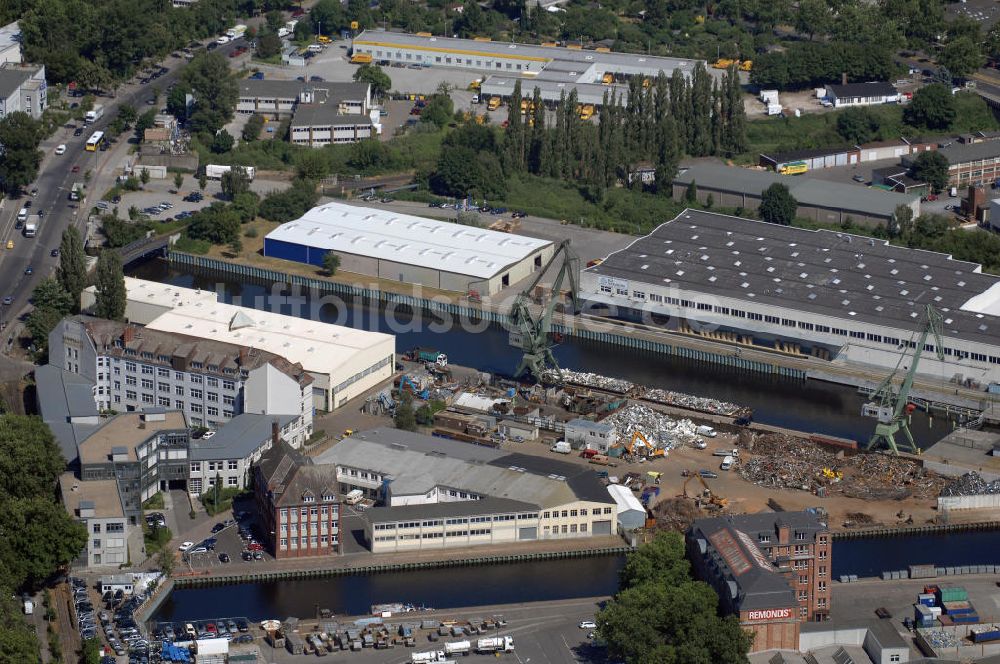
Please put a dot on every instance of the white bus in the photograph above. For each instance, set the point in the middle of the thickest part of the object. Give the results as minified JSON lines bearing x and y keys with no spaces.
{"x":95,"y":141}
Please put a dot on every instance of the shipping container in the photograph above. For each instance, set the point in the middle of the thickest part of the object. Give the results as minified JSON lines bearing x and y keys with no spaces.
{"x":953,"y":594}
{"x":965,"y":619}
{"x":923,"y":571}
{"x":955,"y":608}
{"x":927,"y":599}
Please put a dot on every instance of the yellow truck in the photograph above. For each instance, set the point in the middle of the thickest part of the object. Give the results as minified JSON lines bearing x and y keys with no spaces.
{"x":586,"y":112}
{"x":323,"y":39}
{"x":361,"y":59}
{"x":608,"y":78}
{"x":494,"y":103}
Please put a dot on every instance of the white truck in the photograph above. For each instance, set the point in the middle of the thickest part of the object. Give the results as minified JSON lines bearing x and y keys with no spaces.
{"x":427,"y":657}
{"x":29,"y":606}
{"x":236,"y":31}
{"x":31,"y":226}
{"x":704,"y":430}
{"x":215,"y":172}
{"x":496,"y":644}
{"x":458,"y":648}
{"x":290,"y":26}
{"x":562,"y":447}
{"x":735,"y":453}
{"x":94,"y":114}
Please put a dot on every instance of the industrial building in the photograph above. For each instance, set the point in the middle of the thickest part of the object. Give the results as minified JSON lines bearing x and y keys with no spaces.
{"x":970,"y":164}
{"x":297,"y":504}
{"x":822,"y":293}
{"x":398,"y":247}
{"x":316,"y":125}
{"x":23,"y":88}
{"x":439,"y":493}
{"x":629,"y":511}
{"x":771,"y":570}
{"x":820,"y":201}
{"x":343,"y":362}
{"x":322,"y":113}
{"x":554,"y":70}
{"x":816,"y":158}
{"x":862,"y":94}
{"x":861,"y":642}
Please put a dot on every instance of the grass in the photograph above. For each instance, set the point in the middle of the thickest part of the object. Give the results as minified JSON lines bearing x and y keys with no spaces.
{"x":155,"y":502}
{"x":155,"y":539}
{"x":190,"y":246}
{"x":224,"y":503}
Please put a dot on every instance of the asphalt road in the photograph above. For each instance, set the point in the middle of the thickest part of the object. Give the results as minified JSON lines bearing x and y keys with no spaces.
{"x":55,"y":178}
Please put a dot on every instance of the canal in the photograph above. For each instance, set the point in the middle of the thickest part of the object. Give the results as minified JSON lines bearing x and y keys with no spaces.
{"x":810,"y":406}
{"x":530,"y":582}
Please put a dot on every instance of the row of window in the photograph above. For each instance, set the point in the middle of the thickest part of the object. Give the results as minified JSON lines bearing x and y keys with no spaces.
{"x":163,"y":372}
{"x":449,"y":60}
{"x":311,"y":510}
{"x":473,"y":532}
{"x":384,"y":362}
{"x":568,"y":513}
{"x":231,"y":464}
{"x":307,"y":542}
{"x":110,"y":528}
{"x":565,"y":530}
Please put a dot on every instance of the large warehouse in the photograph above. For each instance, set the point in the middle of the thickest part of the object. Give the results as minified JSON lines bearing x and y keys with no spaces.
{"x":819,"y":200}
{"x":553,"y":69}
{"x":408,"y":249}
{"x":436,"y":493}
{"x":343,"y":362}
{"x":825,"y":293}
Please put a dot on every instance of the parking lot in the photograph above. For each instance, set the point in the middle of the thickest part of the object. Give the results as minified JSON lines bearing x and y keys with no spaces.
{"x":231,"y":543}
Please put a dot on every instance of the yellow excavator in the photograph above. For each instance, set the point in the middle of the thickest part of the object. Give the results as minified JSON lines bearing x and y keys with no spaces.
{"x":651,"y":452}
{"x":713,"y":499}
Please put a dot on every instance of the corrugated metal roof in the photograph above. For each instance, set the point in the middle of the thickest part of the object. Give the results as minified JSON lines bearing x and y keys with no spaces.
{"x":403,"y":238}
{"x":625,"y":499}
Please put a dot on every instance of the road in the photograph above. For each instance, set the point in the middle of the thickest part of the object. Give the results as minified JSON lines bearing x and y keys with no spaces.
{"x":55,"y":178}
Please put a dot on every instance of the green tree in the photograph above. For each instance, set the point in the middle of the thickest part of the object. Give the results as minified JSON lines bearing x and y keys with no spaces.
{"x":111,"y":296}
{"x":932,"y":107}
{"x":691,"y":193}
{"x":813,"y":18}
{"x":331,"y":263}
{"x":374,"y":76}
{"x":72,"y":272}
{"x":223,"y":142}
{"x":18,"y":643}
{"x":30,"y":460}
{"x":777,"y":205}
{"x":128,"y":114}
{"x":215,"y":92}
{"x":236,"y":245}
{"x":177,"y":100}
{"x":178,"y":181}
{"x":253,"y":127}
{"x":462,"y":172}
{"x":40,"y":322}
{"x":857,"y":125}
{"x":39,"y":537}
{"x":165,"y":561}
{"x":289,"y":204}
{"x":314,"y":164}
{"x":235,"y":181}
{"x":145,"y":121}
{"x":931,"y":167}
{"x":50,"y":294}
{"x":405,"y":418}
{"x":20,"y":137}
{"x":275,"y":20}
{"x":369,"y":155}
{"x":90,"y":651}
{"x":144,"y":176}
{"x":962,"y":56}
{"x":218,"y":224}
{"x":439,"y":110}
{"x":901,"y":222}
{"x":268,"y":45}
{"x":202,"y":181}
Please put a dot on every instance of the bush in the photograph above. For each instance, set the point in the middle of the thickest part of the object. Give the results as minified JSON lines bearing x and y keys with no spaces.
{"x":155,"y":539}
{"x":192,"y":246}
{"x":225,"y":499}
{"x":250,"y":232}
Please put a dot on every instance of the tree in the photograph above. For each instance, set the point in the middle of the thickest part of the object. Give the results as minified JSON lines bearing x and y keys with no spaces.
{"x":268,"y":45}
{"x":165,"y":561}
{"x":932,"y":107}
{"x":128,"y":115}
{"x":405,"y":419}
{"x":110,"y":303}
{"x":30,"y":460}
{"x":178,"y":181}
{"x":20,"y":137}
{"x":235,"y":181}
{"x":691,"y":193}
{"x":17,"y":641}
{"x":39,"y":537}
{"x":145,"y":121}
{"x":962,"y":56}
{"x":218,"y":224}
{"x":40,"y":322}
{"x":144,"y":176}
{"x":275,"y":20}
{"x":289,"y":204}
{"x":931,"y":167}
{"x":202,"y":181}
{"x":462,"y":172}
{"x":251,"y":130}
{"x":50,"y":294}
{"x":72,"y":272}
{"x":236,"y":245}
{"x":90,"y":651}
{"x":777,"y":205}
{"x":857,"y":125}
{"x":439,"y":110}
{"x":901,"y":222}
{"x":374,"y":76}
{"x":177,"y":100}
{"x":223,"y":142}
{"x":813,"y":18}
{"x":331,"y":263}
{"x":214,"y":89}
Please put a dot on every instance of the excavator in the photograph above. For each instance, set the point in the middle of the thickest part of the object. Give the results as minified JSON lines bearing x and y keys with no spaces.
{"x":718,"y":501}
{"x":651,"y":452}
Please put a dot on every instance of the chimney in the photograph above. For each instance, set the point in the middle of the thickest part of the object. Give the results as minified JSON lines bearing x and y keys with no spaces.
{"x":128,"y":334}
{"x":275,"y":432}
{"x":843,"y":78}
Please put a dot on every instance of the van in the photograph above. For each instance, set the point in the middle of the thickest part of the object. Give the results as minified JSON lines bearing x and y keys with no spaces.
{"x":562,"y":447}
{"x":29,"y":606}
{"x":315,"y":48}
{"x":706,"y":431}
{"x":22,"y":216}
{"x":727,"y":463}
{"x":354,"y":497}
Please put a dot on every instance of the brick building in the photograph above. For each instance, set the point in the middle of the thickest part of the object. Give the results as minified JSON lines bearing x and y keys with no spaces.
{"x":297,"y":503}
{"x":771,"y":569}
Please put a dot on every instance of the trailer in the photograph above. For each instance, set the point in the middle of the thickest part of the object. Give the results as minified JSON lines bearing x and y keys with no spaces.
{"x":427,"y":657}
{"x":458,"y":648}
{"x":215,"y":171}
{"x":496,"y":644}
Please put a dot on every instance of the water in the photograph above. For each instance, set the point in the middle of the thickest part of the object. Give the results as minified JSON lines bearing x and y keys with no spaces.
{"x":531,"y":582}
{"x":438,"y":588}
{"x":809,"y":406}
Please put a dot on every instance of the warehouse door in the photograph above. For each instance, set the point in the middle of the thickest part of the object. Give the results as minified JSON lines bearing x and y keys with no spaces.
{"x":601,"y":528}
{"x":527,"y":533}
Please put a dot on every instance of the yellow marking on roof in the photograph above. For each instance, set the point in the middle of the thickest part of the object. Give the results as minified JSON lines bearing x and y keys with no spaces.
{"x":438,"y":49}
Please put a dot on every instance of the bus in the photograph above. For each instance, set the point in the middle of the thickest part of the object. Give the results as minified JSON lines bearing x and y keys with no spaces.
{"x":95,"y":141}
{"x":794,"y":168}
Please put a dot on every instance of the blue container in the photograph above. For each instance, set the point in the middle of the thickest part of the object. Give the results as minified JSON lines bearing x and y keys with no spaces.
{"x":927,"y":599}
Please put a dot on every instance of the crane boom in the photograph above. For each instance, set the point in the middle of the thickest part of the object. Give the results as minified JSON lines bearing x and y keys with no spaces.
{"x":892,"y":407}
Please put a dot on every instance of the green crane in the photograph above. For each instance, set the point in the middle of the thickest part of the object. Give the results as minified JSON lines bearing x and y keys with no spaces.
{"x":892,"y":408}
{"x":533,"y":334}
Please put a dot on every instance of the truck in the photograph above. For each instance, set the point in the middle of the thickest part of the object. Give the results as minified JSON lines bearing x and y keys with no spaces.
{"x":283,"y":32}
{"x":562,"y":447}
{"x":215,"y":172}
{"x":290,"y":26}
{"x":354,"y":497}
{"x":496,"y":644}
{"x":735,"y":453}
{"x":76,"y":192}
{"x":94,"y":114}
{"x":427,"y":657}
{"x":705,"y":430}
{"x":29,"y":606}
{"x":361,"y":59}
{"x":31,"y":226}
{"x":493,"y":104}
{"x":458,"y":648}
{"x":236,"y":31}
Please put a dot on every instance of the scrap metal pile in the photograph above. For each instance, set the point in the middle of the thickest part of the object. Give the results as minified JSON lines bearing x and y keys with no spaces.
{"x":661,"y":430}
{"x":785,"y":462}
{"x":970,"y":484}
{"x":655,"y":394}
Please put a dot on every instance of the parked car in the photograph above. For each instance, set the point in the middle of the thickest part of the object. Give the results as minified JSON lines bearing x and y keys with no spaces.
{"x":185,"y":546}
{"x":708,"y":474}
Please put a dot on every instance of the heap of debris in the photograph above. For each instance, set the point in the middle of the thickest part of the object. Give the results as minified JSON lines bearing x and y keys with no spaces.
{"x":703,"y":404}
{"x":661,"y":430}
{"x":970,"y":484}
{"x":596,"y":381}
{"x":784,"y":462}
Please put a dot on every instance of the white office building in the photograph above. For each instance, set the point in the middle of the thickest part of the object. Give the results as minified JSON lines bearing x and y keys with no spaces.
{"x":23,"y":88}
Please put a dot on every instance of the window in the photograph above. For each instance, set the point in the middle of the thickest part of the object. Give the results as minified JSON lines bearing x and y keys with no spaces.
{"x":97,"y":528}
{"x":233,"y":464}
{"x":163,"y":372}
{"x":147,"y":383}
{"x":213,"y":411}
{"x":196,"y":379}
{"x":228,"y":385}
{"x":822,"y":586}
{"x":231,"y":481}
{"x":179,"y":390}
{"x":213,"y":396}
{"x":147,"y":398}
{"x":196,"y":466}
{"x":147,"y":370}
{"x":213,"y":382}
{"x":163,"y":401}
{"x":894,"y":658}
{"x":196,"y":394}
{"x":130,"y":380}
{"x":130,"y":395}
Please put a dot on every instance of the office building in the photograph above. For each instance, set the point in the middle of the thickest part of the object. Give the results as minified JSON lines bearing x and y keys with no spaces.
{"x":822,"y":293}
{"x":316,"y":125}
{"x":23,"y":88}
{"x":771,"y":570}
{"x":969,"y":164}
{"x":228,"y":456}
{"x":98,"y":506}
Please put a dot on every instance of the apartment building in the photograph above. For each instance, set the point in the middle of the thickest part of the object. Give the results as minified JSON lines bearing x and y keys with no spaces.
{"x":98,"y":506}
{"x":210,"y":381}
{"x":228,"y":456}
{"x":297,"y":504}
{"x":23,"y":88}
{"x":772,"y":570}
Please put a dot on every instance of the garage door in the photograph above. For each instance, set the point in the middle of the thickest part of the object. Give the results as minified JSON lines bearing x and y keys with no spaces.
{"x":601,"y":528}
{"x":527,"y":533}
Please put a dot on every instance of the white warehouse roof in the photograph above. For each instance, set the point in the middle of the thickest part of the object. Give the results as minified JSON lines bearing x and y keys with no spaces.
{"x":625,"y":499}
{"x":403,"y":238}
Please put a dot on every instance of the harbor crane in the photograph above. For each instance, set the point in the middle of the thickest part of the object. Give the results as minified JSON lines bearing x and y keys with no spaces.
{"x":892,"y":407}
{"x":533,"y":334}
